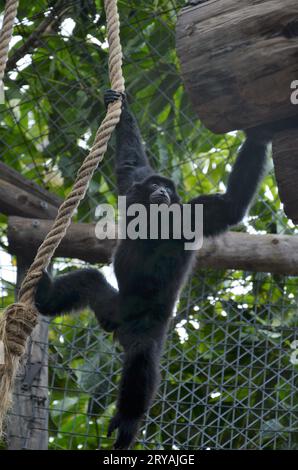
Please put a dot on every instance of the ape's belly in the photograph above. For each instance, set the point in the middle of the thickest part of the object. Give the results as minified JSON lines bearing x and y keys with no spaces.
{"x":150,"y":277}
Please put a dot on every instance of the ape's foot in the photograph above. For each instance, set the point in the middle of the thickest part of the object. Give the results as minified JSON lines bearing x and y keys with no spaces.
{"x":42,"y":292}
{"x":108,"y":324}
{"x":110,"y":96}
{"x":127,"y":430}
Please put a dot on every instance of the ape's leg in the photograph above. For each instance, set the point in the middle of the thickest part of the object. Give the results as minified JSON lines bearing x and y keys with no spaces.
{"x":77,"y":290}
{"x":139,"y":381}
{"x":221,"y":211}
{"x":131,"y":160}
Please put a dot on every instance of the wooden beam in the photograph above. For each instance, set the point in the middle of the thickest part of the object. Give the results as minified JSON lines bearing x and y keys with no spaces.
{"x":262,"y":253}
{"x":285,"y":157}
{"x":25,"y":235}
{"x":20,"y":196}
{"x":16,"y":201}
{"x":238,"y":60}
{"x":14,"y":177}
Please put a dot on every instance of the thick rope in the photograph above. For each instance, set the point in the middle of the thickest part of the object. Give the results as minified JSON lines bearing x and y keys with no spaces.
{"x":19,"y":319}
{"x":10,"y":13}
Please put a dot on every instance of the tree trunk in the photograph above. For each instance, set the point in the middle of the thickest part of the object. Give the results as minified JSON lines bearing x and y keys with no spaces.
{"x":20,"y":196}
{"x":28,"y":420}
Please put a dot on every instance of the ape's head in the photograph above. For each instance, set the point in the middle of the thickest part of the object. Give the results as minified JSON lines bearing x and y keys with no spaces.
{"x":153,"y":190}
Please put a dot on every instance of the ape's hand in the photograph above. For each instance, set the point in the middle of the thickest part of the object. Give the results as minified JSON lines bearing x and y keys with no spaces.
{"x":127,"y":430}
{"x":110,"y":96}
{"x":264,"y":133}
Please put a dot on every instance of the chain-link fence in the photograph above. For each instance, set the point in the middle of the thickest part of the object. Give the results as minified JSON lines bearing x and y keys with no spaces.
{"x":229,"y":371}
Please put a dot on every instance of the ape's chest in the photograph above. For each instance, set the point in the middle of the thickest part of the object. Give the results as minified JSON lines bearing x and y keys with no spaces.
{"x":151,"y":266}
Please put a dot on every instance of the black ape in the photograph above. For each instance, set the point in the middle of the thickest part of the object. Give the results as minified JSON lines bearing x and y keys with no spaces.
{"x":150,"y":273}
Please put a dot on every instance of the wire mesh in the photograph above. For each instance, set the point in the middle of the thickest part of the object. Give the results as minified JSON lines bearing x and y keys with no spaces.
{"x":229,"y":370}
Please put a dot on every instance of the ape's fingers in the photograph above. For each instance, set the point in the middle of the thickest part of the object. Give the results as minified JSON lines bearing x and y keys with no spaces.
{"x":110,"y":96}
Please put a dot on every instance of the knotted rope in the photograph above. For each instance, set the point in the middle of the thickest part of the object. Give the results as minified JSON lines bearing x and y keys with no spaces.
{"x":19,"y":319}
{"x":10,"y":13}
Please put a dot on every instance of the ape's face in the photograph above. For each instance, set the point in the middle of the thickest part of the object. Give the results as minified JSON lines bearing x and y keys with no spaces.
{"x":154,"y":190}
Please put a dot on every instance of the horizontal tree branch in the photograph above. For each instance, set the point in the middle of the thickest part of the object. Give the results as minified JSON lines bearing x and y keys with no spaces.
{"x":14,"y":177}
{"x":22,"y":197}
{"x":262,"y":253}
{"x":25,"y":236}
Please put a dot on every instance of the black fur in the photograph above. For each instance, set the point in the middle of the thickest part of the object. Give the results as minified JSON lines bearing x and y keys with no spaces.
{"x":75,"y":291}
{"x":150,"y":273}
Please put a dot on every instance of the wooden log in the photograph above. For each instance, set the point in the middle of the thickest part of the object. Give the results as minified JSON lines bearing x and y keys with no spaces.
{"x":25,"y":235}
{"x":15,"y":178}
{"x":20,"y":196}
{"x":238,"y":60}
{"x":285,"y":157}
{"x":262,"y":253}
{"x":275,"y":254}
{"x":16,"y":201}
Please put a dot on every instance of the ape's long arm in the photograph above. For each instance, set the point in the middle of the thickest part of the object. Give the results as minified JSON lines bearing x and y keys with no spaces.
{"x":224,"y":210}
{"x":131,"y":160}
{"x":78,"y":290}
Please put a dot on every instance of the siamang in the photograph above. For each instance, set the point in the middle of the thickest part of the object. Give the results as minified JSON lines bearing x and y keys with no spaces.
{"x":151,"y":272}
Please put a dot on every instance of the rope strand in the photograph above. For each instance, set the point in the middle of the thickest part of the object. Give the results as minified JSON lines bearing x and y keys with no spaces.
{"x":20,"y":318}
{"x":10,"y":13}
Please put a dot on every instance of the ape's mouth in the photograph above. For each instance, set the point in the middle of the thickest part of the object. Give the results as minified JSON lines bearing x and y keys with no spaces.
{"x":160,"y":199}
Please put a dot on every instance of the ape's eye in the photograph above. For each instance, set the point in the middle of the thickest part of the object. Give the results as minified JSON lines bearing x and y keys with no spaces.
{"x":154,"y":187}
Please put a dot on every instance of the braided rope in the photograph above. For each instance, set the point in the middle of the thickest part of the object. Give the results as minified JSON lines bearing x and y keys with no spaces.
{"x":19,"y":319}
{"x":10,"y":13}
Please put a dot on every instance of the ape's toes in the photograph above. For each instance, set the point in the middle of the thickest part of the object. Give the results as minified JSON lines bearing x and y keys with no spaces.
{"x":42,"y":291}
{"x":119,"y":446}
{"x":113,"y":425}
{"x":124,"y":440}
{"x":127,"y":430}
{"x":108,"y":325}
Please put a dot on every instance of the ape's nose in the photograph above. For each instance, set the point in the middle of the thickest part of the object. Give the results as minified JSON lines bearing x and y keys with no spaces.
{"x":160,"y":196}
